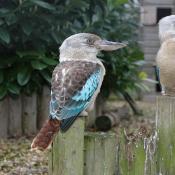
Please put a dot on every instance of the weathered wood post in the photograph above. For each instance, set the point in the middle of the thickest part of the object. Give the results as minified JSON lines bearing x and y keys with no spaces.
{"x":156,"y":155}
{"x":29,"y":113}
{"x":43,"y":109}
{"x":100,"y":156}
{"x":165,"y":121}
{"x":66,"y":157}
{"x":78,"y":153}
{"x":15,"y":116}
{"x":131,"y":157}
{"x":4,"y":118}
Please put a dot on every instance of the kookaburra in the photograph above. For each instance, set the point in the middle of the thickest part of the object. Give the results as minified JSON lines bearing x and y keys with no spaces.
{"x":76,"y":81}
{"x":166,"y":55}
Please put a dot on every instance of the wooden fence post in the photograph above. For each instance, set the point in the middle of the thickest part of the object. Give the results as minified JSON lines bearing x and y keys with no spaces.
{"x":43,"y":111}
{"x":79,"y":153}
{"x":66,"y":157}
{"x":29,"y":113}
{"x":165,"y":148}
{"x":100,"y":154}
{"x":15,"y":116}
{"x":131,"y":156}
{"x":4,"y":118}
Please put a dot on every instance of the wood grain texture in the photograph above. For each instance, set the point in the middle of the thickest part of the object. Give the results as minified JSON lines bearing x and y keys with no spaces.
{"x":15,"y":117}
{"x":66,"y":156}
{"x":29,"y":114}
{"x":100,"y":154}
{"x":165,"y":120}
{"x":4,"y":118}
{"x":156,"y":154}
{"x":131,"y":156}
{"x":43,"y":112}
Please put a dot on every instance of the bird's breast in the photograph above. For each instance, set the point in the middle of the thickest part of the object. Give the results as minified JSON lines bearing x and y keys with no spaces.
{"x":167,"y":72}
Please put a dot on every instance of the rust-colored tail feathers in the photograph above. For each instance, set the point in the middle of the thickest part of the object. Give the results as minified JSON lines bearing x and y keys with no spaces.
{"x":45,"y":136}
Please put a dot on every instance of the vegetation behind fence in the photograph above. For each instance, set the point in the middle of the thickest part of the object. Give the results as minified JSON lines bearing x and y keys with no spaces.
{"x":32,"y":31}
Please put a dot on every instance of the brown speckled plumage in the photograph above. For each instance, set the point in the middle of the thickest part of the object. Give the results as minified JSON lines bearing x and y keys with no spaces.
{"x":67,"y":78}
{"x":76,"y":75}
{"x":46,"y":134}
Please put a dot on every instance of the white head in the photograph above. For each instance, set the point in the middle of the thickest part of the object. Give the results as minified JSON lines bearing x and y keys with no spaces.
{"x":83,"y":46}
{"x":167,"y":28}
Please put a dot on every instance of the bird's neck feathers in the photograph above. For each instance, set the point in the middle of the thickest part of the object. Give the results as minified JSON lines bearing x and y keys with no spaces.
{"x":167,"y":36}
{"x":78,"y":54}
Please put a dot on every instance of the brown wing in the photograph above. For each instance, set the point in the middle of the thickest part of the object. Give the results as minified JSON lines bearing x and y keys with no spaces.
{"x":68,"y":78}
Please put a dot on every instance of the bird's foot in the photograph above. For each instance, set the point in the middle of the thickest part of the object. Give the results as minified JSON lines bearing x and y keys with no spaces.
{"x":163,"y":93}
{"x":168,"y":92}
{"x":83,"y":114}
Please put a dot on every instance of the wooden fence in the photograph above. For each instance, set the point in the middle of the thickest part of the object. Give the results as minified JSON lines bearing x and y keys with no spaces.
{"x":24,"y":114}
{"x":89,"y":153}
{"x":83,"y":153}
{"x":77,"y":152}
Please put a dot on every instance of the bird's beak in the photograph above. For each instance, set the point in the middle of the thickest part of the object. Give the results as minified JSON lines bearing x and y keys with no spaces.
{"x":108,"y":45}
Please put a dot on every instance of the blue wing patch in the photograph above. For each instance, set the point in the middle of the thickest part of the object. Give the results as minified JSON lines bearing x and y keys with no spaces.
{"x":158,"y":73}
{"x":78,"y":103}
{"x":159,"y":85}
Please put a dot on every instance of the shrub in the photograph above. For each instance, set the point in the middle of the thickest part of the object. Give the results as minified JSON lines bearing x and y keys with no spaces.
{"x":31,"y":32}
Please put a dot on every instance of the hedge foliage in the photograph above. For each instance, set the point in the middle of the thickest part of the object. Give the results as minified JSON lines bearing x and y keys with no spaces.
{"x":31,"y":32}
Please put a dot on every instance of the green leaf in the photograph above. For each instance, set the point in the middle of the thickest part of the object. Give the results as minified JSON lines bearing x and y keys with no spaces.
{"x":27,"y":28}
{"x":43,"y":4}
{"x":151,"y":80}
{"x":142,"y":87}
{"x":140,"y":63}
{"x":4,"y":10}
{"x":13,"y":88}
{"x":4,"y":35}
{"x":143,"y":75}
{"x":3,"y":92}
{"x":11,"y":19}
{"x":46,"y":75}
{"x":1,"y":76}
{"x":50,"y":61}
{"x":23,"y":76}
{"x":32,"y":54}
{"x":55,"y":37}
{"x":1,"y":22}
{"x":38,"y":65}
{"x":120,"y":2}
{"x":39,"y":20}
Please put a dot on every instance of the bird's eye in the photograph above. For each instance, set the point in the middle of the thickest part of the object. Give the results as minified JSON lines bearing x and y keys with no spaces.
{"x":89,"y":41}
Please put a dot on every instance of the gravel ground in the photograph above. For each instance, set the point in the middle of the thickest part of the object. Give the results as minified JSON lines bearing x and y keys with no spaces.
{"x":16,"y":158}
